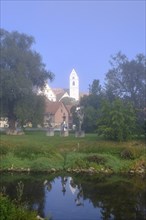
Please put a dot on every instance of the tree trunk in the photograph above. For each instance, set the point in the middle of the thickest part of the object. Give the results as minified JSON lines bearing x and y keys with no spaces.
{"x":12,"y":127}
{"x":12,"y":130}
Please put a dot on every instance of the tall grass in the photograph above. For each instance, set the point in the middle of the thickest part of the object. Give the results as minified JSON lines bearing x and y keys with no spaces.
{"x":36,"y":151}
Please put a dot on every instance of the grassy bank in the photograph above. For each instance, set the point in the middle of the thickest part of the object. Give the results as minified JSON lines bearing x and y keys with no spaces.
{"x":35,"y":151}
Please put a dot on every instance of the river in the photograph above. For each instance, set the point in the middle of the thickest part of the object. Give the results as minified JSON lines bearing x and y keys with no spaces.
{"x":79,"y":197}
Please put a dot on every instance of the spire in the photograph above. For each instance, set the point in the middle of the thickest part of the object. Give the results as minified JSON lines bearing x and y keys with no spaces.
{"x":74,"y":85}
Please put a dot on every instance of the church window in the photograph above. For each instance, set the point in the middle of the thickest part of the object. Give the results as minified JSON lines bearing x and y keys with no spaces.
{"x":73,"y":83}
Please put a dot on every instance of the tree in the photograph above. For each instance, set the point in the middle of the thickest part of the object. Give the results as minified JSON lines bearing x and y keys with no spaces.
{"x":127,"y":79}
{"x":89,"y":123}
{"x":91,"y":104}
{"x":95,"y":87}
{"x":68,"y":101}
{"x":116,"y":120}
{"x":22,"y":70}
{"x":30,"y":109}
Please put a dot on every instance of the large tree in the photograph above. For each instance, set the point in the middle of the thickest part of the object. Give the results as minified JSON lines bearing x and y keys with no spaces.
{"x":22,"y":70}
{"x":127,"y":79}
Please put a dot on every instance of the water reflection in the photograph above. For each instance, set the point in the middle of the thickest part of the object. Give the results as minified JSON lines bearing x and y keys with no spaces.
{"x":81,"y":198}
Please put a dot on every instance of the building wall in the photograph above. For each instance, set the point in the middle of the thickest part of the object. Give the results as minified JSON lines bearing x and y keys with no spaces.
{"x":59,"y":115}
{"x":49,"y":93}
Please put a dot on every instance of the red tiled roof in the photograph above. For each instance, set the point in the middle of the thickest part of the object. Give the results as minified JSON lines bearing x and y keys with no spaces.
{"x":52,"y":107}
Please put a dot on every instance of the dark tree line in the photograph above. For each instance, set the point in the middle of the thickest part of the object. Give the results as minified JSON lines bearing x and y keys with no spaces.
{"x":118,"y":109}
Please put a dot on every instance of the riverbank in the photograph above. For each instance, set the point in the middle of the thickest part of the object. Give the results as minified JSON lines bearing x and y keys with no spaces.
{"x":36,"y":152}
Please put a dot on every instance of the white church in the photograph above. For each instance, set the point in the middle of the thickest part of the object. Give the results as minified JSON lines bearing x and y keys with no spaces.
{"x":59,"y":93}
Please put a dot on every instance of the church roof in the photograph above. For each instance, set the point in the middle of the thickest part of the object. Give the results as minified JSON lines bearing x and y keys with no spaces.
{"x":52,"y":107}
{"x":58,"y":90}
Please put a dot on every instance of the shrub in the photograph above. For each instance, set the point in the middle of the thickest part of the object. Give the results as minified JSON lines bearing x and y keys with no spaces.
{"x":96,"y":158}
{"x":131,"y":153}
{"x":9,"y":211}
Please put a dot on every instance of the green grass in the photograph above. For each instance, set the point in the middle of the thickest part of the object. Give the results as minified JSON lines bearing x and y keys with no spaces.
{"x":38,"y":152}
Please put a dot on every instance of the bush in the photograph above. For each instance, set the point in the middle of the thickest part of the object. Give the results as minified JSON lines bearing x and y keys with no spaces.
{"x":9,"y":211}
{"x":96,"y":159}
{"x":131,"y":153}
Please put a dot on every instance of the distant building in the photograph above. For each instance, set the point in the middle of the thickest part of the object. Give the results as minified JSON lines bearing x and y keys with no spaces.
{"x":57,"y":110}
{"x":56,"y":94}
{"x":60,"y":93}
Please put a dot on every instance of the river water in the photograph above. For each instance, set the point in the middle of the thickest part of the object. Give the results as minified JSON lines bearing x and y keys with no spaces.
{"x":79,"y":197}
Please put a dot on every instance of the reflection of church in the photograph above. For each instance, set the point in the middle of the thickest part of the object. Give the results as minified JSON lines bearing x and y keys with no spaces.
{"x":58,"y":93}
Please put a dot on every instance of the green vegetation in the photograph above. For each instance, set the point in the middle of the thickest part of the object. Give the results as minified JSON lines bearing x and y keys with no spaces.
{"x":37,"y":152}
{"x":22,"y":70}
{"x":116,"y":121}
{"x":117,"y":110}
{"x":11,"y":211}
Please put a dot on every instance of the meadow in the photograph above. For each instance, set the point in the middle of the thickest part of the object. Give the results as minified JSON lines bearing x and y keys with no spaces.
{"x":35,"y":152}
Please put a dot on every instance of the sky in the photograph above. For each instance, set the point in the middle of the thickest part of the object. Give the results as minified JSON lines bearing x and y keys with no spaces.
{"x":79,"y":34}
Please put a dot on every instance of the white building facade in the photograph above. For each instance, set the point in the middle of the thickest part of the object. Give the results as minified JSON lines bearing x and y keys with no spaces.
{"x":48,"y":92}
{"x":74,"y":85}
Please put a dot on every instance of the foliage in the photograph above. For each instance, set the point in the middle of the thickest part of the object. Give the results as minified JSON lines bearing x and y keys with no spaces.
{"x":90,"y":100}
{"x":26,"y":110}
{"x":68,"y":101}
{"x":116,"y":120}
{"x":95,"y":87}
{"x":9,"y":211}
{"x":127,"y":80}
{"x":89,"y":123}
{"x":91,"y":104}
{"x":96,"y":158}
{"x":75,"y":119}
{"x":131,"y":153}
{"x":22,"y":70}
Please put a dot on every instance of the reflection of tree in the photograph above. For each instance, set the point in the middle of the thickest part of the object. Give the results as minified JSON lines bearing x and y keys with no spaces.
{"x":79,"y":198}
{"x":77,"y":190}
{"x":117,"y":198}
{"x":63,"y":183}
{"x":33,"y":193}
{"x":48,"y":184}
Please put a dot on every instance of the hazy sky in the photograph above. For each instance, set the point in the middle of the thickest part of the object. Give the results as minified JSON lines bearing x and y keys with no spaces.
{"x":79,"y":34}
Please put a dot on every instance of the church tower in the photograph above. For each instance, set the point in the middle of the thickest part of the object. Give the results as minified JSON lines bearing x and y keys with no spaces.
{"x":74,"y":85}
